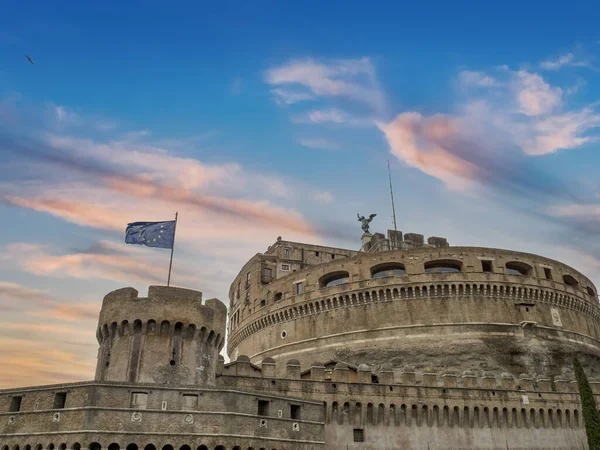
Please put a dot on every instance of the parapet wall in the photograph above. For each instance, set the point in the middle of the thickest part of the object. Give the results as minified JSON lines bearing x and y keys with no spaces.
{"x":462,"y":306}
{"x":169,"y":337}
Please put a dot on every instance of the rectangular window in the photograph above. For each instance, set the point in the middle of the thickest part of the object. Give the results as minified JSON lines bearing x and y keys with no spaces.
{"x":263,"y":408}
{"x":15,"y":404}
{"x":262,"y":303}
{"x":332,"y":256}
{"x":316,"y":253}
{"x":60,"y":399}
{"x":190,"y":402}
{"x":359,"y":435}
{"x":286,"y":251}
{"x":267,"y":275}
{"x":548,"y":273}
{"x":285,"y":267}
{"x":487,"y":266}
{"x":299,"y":288}
{"x":139,"y":400}
{"x":295,"y":412}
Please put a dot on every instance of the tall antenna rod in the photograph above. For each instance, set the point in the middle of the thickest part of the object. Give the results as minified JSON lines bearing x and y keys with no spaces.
{"x":392,"y":194}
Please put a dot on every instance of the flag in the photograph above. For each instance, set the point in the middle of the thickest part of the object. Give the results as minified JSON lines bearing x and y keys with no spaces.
{"x":151,"y":234}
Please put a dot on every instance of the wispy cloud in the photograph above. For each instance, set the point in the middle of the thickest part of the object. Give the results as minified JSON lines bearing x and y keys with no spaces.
{"x":470,"y":78}
{"x":288,"y":97}
{"x":324,"y":197}
{"x":318,"y":143}
{"x":535,"y":96}
{"x":352,"y":79}
{"x":332,"y":116}
{"x":566,"y":60}
{"x":521,"y":114}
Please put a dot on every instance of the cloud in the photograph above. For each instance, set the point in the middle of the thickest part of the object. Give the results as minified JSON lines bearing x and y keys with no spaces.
{"x":535,"y":96}
{"x":352,"y":79}
{"x":324,"y":197}
{"x":431,"y":145}
{"x":566,"y":60}
{"x":555,"y":132}
{"x":284,"y":96}
{"x":332,"y":116}
{"x":94,"y":184}
{"x":318,"y":143}
{"x":128,"y":267}
{"x":15,"y":292}
{"x":470,"y":78}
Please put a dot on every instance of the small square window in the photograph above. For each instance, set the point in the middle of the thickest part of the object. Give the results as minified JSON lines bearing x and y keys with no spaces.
{"x":263,"y":408}
{"x":359,"y":435}
{"x":190,"y":402}
{"x":60,"y":399}
{"x":285,"y":267}
{"x":139,"y":400}
{"x":316,"y":253}
{"x":262,"y":303}
{"x":295,"y":412}
{"x":15,"y":404}
{"x":548,"y":273}
{"x":487,"y":266}
{"x":299,"y":288}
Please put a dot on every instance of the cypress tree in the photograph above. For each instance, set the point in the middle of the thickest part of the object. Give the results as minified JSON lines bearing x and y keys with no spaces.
{"x":591,"y":416}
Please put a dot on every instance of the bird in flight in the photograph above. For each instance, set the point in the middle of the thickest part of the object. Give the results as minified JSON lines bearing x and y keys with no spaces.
{"x":30,"y":60}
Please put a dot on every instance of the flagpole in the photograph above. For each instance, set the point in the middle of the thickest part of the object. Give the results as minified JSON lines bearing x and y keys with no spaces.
{"x":172,"y":248}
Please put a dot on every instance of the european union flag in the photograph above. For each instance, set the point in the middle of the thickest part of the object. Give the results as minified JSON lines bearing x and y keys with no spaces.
{"x":151,"y":234}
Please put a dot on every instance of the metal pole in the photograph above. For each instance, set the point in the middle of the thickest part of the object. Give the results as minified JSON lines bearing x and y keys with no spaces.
{"x":172,"y":248}
{"x":392,"y":194}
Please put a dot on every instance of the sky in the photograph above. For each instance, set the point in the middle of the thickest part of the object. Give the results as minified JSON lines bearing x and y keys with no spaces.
{"x":255,"y":120}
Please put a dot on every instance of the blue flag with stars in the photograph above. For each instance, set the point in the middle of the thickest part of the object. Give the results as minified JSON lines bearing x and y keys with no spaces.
{"x":151,"y":234}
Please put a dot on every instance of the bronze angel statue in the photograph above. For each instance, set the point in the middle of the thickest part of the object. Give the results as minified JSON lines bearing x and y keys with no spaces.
{"x":365,"y":222}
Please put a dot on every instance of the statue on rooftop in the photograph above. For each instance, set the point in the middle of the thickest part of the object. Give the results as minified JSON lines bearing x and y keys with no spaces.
{"x":365,"y":222}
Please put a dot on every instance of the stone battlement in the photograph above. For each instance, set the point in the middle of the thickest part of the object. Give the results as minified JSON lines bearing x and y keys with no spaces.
{"x":162,"y":304}
{"x":363,"y":375}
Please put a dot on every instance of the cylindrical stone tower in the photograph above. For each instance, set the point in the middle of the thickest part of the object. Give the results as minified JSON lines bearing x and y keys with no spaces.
{"x":169,"y":337}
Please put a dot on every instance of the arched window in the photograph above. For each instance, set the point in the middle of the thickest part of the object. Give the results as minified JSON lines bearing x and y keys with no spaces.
{"x":334,"y":279}
{"x":443,"y":266}
{"x":385,"y":270}
{"x":518,"y":268}
{"x":570,"y":281}
{"x":590,"y":291}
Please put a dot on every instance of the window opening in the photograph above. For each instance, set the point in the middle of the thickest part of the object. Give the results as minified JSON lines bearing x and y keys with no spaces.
{"x":299,"y":288}
{"x":486,"y":266}
{"x":60,"y":399}
{"x":263,"y":407}
{"x":359,"y":435}
{"x":443,"y":267}
{"x":295,"y":412}
{"x":15,"y":404}
{"x":548,"y":273}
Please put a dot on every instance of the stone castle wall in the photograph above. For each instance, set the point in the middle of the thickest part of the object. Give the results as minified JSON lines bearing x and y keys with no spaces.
{"x":471,"y":319}
{"x":168,"y":337}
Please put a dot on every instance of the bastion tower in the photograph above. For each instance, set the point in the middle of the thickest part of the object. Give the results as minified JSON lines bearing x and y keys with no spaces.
{"x":169,"y":337}
{"x":415,"y":305}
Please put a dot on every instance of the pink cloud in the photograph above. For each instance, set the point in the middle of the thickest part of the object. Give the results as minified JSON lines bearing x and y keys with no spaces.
{"x":423,"y":143}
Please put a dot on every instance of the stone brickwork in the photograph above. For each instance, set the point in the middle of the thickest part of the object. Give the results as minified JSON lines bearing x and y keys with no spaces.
{"x":404,"y":344}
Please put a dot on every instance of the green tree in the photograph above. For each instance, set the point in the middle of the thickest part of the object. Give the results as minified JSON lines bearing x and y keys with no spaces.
{"x":591,"y":416}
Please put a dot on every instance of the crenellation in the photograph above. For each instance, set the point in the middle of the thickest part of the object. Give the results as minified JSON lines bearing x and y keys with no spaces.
{"x":292,"y":369}
{"x":450,"y":380}
{"x":526,"y":383}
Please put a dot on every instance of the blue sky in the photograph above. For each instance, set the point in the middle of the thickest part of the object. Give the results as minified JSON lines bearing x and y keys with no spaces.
{"x":277,"y":119}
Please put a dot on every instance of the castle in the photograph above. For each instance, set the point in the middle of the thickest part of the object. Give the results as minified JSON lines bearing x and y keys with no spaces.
{"x":399,"y":345}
